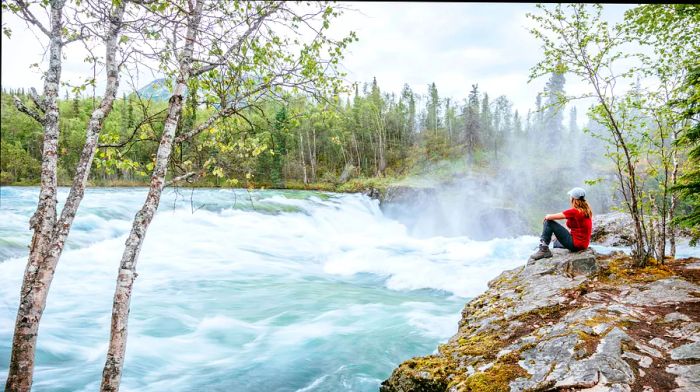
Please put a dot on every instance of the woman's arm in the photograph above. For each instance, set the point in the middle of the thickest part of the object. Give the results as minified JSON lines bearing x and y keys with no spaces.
{"x":554,"y":216}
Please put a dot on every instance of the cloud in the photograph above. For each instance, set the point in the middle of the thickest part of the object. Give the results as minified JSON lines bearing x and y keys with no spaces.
{"x":454,"y":45}
{"x":27,"y":47}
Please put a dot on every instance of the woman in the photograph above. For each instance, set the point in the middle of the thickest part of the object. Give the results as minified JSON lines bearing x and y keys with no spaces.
{"x":578,"y":219}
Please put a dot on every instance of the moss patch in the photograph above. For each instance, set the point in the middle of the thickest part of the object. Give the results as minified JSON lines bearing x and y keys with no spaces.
{"x":544,"y":314}
{"x":586,"y":345}
{"x":435,"y":366}
{"x":621,"y":269}
{"x":599,"y":319}
{"x":497,"y":378}
{"x":485,"y":345}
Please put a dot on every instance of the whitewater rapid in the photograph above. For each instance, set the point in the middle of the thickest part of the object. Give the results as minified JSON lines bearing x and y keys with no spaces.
{"x":245,"y":291}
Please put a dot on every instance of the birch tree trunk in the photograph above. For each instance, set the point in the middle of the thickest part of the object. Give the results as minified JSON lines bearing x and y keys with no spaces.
{"x":674,"y":198}
{"x":311,"y":157}
{"x":50,"y":235}
{"x":112,"y":372}
{"x":303,"y":162}
{"x":38,"y":275}
{"x":195,"y":28}
{"x":357,"y":152}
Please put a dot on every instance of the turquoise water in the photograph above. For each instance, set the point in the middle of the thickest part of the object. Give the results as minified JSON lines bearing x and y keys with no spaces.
{"x":245,"y":291}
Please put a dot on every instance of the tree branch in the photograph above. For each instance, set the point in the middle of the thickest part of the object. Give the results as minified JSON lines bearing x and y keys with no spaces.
{"x":206,"y":124}
{"x":28,"y":111}
{"x":185,"y":177}
{"x":77,"y":37}
{"x":144,"y":121}
{"x":38,"y":101}
{"x":235,"y":48}
{"x":29,"y":17}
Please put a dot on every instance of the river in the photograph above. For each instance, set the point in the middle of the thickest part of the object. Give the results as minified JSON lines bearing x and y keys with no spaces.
{"x":245,"y":291}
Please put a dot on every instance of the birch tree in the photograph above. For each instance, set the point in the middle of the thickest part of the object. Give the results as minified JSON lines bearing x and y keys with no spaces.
{"x":642,"y":127}
{"x":234,"y":54}
{"x":50,"y":229}
{"x":672,"y":33}
{"x":582,"y":43}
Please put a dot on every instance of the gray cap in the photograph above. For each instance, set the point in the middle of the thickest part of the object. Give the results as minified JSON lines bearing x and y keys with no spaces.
{"x":577,"y":193}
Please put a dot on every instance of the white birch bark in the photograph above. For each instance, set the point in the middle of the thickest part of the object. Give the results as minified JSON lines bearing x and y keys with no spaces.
{"x":303,"y":161}
{"x":49,"y":234}
{"x":674,"y":198}
{"x":112,"y":372}
{"x":34,"y":288}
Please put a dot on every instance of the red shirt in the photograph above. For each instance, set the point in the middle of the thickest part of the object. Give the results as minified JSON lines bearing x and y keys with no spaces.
{"x":580,"y":227}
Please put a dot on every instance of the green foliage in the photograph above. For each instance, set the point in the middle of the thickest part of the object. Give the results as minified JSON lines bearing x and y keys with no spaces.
{"x":16,"y":165}
{"x":270,"y":144}
{"x":688,"y":186}
{"x":21,"y":140}
{"x":671,"y":30}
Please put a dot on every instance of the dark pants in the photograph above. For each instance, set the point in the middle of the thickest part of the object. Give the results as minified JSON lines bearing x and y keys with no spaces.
{"x":550,"y":227}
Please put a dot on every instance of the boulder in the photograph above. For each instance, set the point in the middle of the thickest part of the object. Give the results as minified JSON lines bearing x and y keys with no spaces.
{"x":617,"y":229}
{"x":613,"y":229}
{"x":571,"y":263}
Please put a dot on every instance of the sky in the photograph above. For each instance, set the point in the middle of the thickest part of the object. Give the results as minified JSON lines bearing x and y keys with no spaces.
{"x":454,"y":45}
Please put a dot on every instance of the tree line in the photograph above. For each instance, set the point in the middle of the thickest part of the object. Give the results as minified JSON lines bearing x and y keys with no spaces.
{"x":365,"y":133}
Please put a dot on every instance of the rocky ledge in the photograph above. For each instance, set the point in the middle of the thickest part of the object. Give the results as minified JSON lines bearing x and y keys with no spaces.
{"x":577,"y":321}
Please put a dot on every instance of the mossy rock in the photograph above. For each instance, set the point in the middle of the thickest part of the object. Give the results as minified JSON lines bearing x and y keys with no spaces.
{"x":422,"y":374}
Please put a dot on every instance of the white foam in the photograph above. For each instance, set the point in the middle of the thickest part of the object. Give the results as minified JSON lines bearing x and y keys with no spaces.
{"x":227,"y":287}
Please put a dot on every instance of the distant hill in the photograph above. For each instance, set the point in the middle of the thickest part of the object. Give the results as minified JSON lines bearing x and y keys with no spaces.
{"x":160,"y":90}
{"x":157,"y":90}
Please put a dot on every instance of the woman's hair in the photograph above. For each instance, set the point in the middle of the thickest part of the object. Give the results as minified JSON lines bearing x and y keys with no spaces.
{"x":583,"y":207}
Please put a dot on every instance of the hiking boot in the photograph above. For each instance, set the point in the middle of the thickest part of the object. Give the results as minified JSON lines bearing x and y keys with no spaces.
{"x":542,"y":252}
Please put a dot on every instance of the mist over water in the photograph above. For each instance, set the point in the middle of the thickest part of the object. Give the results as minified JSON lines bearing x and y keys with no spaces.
{"x":511,"y":188}
{"x":267,"y":290}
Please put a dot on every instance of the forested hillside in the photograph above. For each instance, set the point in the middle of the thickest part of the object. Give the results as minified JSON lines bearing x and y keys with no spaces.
{"x":367,"y":133}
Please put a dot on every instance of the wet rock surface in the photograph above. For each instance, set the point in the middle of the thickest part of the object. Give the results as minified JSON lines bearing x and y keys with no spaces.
{"x":576,"y":321}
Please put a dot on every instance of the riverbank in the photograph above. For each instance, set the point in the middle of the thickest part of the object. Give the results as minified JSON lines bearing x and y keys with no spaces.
{"x":352,"y":186}
{"x":421,"y":175}
{"x":571,"y":322}
{"x":374,"y":187}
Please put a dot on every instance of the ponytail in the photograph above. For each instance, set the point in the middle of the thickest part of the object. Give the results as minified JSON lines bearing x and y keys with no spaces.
{"x":583,"y":207}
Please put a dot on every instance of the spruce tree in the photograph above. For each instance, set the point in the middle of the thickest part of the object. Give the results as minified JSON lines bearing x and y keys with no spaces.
{"x":486,"y":120}
{"x":471,"y":122}
{"x":553,"y":113}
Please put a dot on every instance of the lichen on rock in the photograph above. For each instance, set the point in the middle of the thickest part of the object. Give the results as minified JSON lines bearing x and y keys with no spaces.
{"x":575,"y":321}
